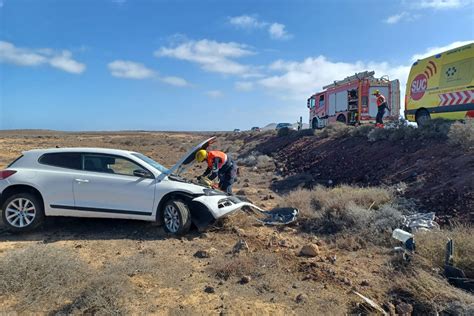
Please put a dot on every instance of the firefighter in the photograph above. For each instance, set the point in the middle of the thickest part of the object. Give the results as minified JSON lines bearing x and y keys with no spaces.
{"x":381,"y":106}
{"x":220,"y":165}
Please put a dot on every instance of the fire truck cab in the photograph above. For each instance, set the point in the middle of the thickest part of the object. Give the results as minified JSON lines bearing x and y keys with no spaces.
{"x":350,"y":101}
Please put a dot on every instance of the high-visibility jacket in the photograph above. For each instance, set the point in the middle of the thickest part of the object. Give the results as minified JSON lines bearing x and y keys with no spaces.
{"x":380,"y":100}
{"x":216,"y":159}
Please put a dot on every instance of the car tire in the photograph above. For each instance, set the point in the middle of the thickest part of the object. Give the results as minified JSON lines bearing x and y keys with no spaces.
{"x":176,"y":217}
{"x":422,"y":116}
{"x":22,"y":212}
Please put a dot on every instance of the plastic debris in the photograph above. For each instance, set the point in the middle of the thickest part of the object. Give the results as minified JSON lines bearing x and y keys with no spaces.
{"x":406,"y":238}
{"x":420,"y":221}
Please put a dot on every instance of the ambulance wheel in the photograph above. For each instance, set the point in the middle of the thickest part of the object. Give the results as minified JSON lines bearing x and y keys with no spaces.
{"x":422,"y":117}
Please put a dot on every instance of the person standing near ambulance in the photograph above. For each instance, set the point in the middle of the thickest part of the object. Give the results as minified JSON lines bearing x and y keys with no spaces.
{"x":381,"y":106}
{"x":220,"y":165}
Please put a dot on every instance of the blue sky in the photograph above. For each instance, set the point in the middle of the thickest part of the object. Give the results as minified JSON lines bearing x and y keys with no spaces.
{"x":203,"y":65}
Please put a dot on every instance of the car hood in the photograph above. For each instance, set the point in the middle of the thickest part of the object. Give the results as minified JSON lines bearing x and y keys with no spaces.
{"x":189,"y":157}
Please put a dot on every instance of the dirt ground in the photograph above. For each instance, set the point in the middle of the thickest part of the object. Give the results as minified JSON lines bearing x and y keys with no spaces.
{"x":164,"y":275}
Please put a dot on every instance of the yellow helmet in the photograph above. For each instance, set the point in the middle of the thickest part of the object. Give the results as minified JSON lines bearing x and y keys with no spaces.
{"x":201,"y":155}
{"x":376,"y":92}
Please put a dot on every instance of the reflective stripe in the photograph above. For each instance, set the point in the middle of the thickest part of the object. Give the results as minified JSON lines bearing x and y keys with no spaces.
{"x":380,"y":100}
{"x":445,"y":109}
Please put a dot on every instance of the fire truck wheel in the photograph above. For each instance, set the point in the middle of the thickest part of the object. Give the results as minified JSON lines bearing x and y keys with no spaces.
{"x":341,"y":118}
{"x":315,"y":123}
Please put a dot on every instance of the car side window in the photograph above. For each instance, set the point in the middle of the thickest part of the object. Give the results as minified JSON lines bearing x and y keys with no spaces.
{"x":111,"y":164}
{"x":63,"y":160}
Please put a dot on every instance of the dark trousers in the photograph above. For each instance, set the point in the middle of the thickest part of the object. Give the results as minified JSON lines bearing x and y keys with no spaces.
{"x":380,"y":114}
{"x":227,"y":176}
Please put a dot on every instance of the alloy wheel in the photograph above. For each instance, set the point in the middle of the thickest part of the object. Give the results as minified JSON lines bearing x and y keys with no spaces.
{"x":172,"y":220}
{"x":20,"y":212}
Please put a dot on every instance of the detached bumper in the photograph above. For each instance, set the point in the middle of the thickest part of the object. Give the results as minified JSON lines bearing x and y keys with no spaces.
{"x":220,"y":205}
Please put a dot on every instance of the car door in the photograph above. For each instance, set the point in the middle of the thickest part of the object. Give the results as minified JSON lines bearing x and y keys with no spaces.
{"x":54,"y":179}
{"x":110,"y":186}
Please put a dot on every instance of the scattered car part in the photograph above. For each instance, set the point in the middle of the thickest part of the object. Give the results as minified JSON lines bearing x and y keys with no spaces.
{"x":420,"y":221}
{"x":456,"y":276}
{"x":406,"y":238}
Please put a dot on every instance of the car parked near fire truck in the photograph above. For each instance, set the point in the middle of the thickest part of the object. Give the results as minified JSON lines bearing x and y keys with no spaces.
{"x":350,"y":101}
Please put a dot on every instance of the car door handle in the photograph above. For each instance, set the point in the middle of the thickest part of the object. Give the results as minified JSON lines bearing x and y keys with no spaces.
{"x":81,"y":180}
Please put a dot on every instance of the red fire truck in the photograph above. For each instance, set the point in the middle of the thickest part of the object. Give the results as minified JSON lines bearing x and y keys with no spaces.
{"x":350,"y":101}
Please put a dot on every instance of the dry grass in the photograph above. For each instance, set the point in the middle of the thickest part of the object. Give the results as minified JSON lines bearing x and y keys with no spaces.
{"x":429,"y":293}
{"x":462,"y":134}
{"x":346,"y":207}
{"x":41,"y":275}
{"x":238,"y":266}
{"x":432,"y":246}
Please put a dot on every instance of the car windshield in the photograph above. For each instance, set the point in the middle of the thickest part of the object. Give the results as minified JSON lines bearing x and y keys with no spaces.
{"x":284,"y":124}
{"x":151,"y":162}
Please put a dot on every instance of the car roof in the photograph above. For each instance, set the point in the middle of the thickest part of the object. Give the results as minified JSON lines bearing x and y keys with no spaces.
{"x":109,"y":151}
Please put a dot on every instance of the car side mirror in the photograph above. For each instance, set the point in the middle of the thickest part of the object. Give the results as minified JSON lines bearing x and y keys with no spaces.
{"x":141,"y":173}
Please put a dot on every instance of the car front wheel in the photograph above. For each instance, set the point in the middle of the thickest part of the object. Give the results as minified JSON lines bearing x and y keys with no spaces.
{"x":22,"y":212}
{"x":176,"y":217}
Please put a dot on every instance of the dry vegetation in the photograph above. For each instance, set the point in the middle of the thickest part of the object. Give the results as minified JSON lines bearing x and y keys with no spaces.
{"x":79,"y":266}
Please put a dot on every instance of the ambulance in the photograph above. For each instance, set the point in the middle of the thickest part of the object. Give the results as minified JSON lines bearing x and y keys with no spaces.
{"x":441,"y":86}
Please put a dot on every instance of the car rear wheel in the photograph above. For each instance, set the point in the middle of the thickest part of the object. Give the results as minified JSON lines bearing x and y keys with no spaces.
{"x":176,"y":217}
{"x":22,"y":212}
{"x":422,"y":116}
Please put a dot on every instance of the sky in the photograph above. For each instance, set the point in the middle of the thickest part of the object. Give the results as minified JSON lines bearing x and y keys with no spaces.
{"x":203,"y":65}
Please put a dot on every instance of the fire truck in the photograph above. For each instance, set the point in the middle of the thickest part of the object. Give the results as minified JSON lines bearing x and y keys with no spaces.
{"x":350,"y":101}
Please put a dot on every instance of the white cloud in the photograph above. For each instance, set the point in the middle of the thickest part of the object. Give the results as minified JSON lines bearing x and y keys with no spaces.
{"x":211,"y":55}
{"x":175,"y":81}
{"x":435,"y":50}
{"x":243,"y":86}
{"x":249,"y":22}
{"x":129,"y":70}
{"x":63,"y":60}
{"x":298,"y":80}
{"x":214,"y":94}
{"x":66,"y":63}
{"x":277,"y":31}
{"x":246,"y":22}
{"x":441,"y":4}
{"x":393,"y":19}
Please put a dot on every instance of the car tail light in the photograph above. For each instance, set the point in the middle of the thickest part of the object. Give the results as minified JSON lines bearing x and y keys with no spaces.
{"x":6,"y":173}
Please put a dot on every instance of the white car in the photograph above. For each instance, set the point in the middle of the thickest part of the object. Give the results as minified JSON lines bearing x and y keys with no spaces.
{"x":107,"y":183}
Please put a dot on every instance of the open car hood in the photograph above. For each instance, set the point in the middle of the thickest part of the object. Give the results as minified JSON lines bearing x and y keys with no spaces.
{"x":187,"y":159}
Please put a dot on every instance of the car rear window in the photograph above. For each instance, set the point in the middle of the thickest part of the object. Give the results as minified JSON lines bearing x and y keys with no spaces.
{"x":14,"y":161}
{"x":63,"y":160}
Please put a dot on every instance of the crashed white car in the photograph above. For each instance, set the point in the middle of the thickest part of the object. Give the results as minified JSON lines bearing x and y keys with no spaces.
{"x":107,"y":183}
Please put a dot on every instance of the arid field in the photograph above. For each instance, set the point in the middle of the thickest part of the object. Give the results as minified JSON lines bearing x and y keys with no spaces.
{"x":349,"y":200}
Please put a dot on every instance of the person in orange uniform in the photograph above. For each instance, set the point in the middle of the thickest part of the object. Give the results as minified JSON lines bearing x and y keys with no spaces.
{"x":220,"y":165}
{"x":381,"y":106}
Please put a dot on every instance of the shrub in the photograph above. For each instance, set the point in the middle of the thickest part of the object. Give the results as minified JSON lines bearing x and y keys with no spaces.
{"x":336,"y":130}
{"x":462,"y":134}
{"x":42,"y":275}
{"x":331,"y":210}
{"x":264,"y":162}
{"x":285,"y":131}
{"x":362,"y":131}
{"x":432,"y":246}
{"x":435,"y":129}
{"x":378,"y":134}
{"x":249,"y":161}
